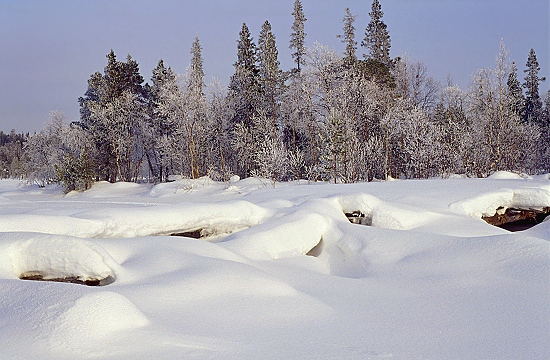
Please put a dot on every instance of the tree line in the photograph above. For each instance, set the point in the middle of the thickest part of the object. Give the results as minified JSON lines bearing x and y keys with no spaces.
{"x":332,"y":117}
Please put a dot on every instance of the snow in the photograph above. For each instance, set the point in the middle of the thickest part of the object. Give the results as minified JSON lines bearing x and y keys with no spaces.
{"x":428,"y":280}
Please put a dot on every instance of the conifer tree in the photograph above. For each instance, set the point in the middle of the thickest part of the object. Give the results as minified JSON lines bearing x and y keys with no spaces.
{"x":377,"y":38}
{"x":161,"y":126}
{"x":197,"y":106}
{"x":244,"y":97}
{"x":533,"y":103}
{"x":111,"y":111}
{"x":298,"y":35}
{"x":270,"y":74}
{"x":348,"y":37}
{"x":515,"y":93}
{"x":244,"y":84}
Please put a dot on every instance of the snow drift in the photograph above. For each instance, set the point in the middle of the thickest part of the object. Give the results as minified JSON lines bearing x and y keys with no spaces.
{"x":427,"y":280}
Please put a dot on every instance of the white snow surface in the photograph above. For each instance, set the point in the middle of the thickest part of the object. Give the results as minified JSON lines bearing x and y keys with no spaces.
{"x":428,"y":280}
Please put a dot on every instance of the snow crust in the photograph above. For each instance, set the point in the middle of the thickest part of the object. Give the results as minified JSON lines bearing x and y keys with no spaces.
{"x":428,"y":280}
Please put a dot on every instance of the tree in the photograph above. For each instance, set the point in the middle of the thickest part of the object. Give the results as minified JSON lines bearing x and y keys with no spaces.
{"x":197,"y":107}
{"x":298,"y":35}
{"x":533,"y":103}
{"x":412,"y":82}
{"x":348,"y":37}
{"x":271,"y":76}
{"x":105,"y":112}
{"x":501,"y":141}
{"x":60,"y":153}
{"x":515,"y":93}
{"x":244,"y":95}
{"x":161,"y":127}
{"x":377,"y":38}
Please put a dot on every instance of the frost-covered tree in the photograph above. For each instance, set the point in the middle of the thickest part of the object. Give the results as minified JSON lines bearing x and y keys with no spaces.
{"x":412,"y":141}
{"x":298,"y":35}
{"x":121,"y":132}
{"x":161,"y":127}
{"x":413,"y":83}
{"x":270,"y":155}
{"x":377,"y":39}
{"x":456,"y":140}
{"x":110,"y":98}
{"x":196,"y":118}
{"x":533,"y":103}
{"x":44,"y":152}
{"x":348,"y":37}
{"x":60,"y":153}
{"x":244,"y":95}
{"x":270,"y":74}
{"x":220,"y":136}
{"x":515,"y":93}
{"x":13,"y":159}
{"x":502,"y":142}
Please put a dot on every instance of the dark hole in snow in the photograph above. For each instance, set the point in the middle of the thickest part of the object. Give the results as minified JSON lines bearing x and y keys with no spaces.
{"x":195,"y":234}
{"x":515,"y":219}
{"x":316,"y":250}
{"x":72,"y":279}
{"x":357,"y":217}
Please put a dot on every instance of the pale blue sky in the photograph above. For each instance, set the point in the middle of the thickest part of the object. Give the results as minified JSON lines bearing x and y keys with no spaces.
{"x":50,"y":48}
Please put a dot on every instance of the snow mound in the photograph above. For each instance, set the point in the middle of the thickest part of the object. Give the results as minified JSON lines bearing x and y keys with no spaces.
{"x":291,"y":235}
{"x":487,"y":204}
{"x":506,"y":175}
{"x":50,"y":224}
{"x":93,"y":319}
{"x":180,"y":185}
{"x":104,"y":189}
{"x":384,"y":214}
{"x":57,"y":257}
{"x":131,"y":220}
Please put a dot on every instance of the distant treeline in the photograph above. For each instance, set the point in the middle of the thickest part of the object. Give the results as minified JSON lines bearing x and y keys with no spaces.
{"x":333,"y":117}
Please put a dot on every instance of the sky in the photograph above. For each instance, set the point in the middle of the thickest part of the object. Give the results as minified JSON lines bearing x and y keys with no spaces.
{"x":49,"y":49}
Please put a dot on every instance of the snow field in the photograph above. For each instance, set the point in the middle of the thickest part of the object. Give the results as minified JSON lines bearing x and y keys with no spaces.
{"x":428,"y":280}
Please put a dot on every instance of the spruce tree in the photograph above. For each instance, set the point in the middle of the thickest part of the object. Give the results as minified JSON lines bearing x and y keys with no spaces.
{"x":348,"y":37}
{"x":377,"y":38}
{"x":298,"y":35}
{"x":196,"y":80}
{"x":515,"y":93}
{"x":111,"y":111}
{"x":244,"y":86}
{"x":270,"y":74}
{"x":160,"y":125}
{"x":533,"y":103}
{"x":244,"y":98}
{"x":197,"y":107}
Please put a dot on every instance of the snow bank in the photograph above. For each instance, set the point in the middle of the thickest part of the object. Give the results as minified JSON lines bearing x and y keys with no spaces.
{"x":486,"y":204}
{"x":385,"y":214}
{"x":292,"y":235}
{"x":129,"y":220}
{"x":56,"y":257}
{"x":506,"y":175}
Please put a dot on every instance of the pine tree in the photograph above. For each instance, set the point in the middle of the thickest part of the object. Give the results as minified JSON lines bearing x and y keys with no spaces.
{"x":244,"y":96}
{"x":533,"y":103}
{"x":197,"y":105}
{"x":270,"y":74}
{"x":348,"y":37}
{"x":244,"y":84}
{"x":196,"y":78}
{"x":114,"y":106}
{"x":377,"y":38}
{"x":515,"y":93}
{"x":298,"y":35}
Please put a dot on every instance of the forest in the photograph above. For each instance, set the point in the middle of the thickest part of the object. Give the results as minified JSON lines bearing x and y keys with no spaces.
{"x":338,"y":117}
